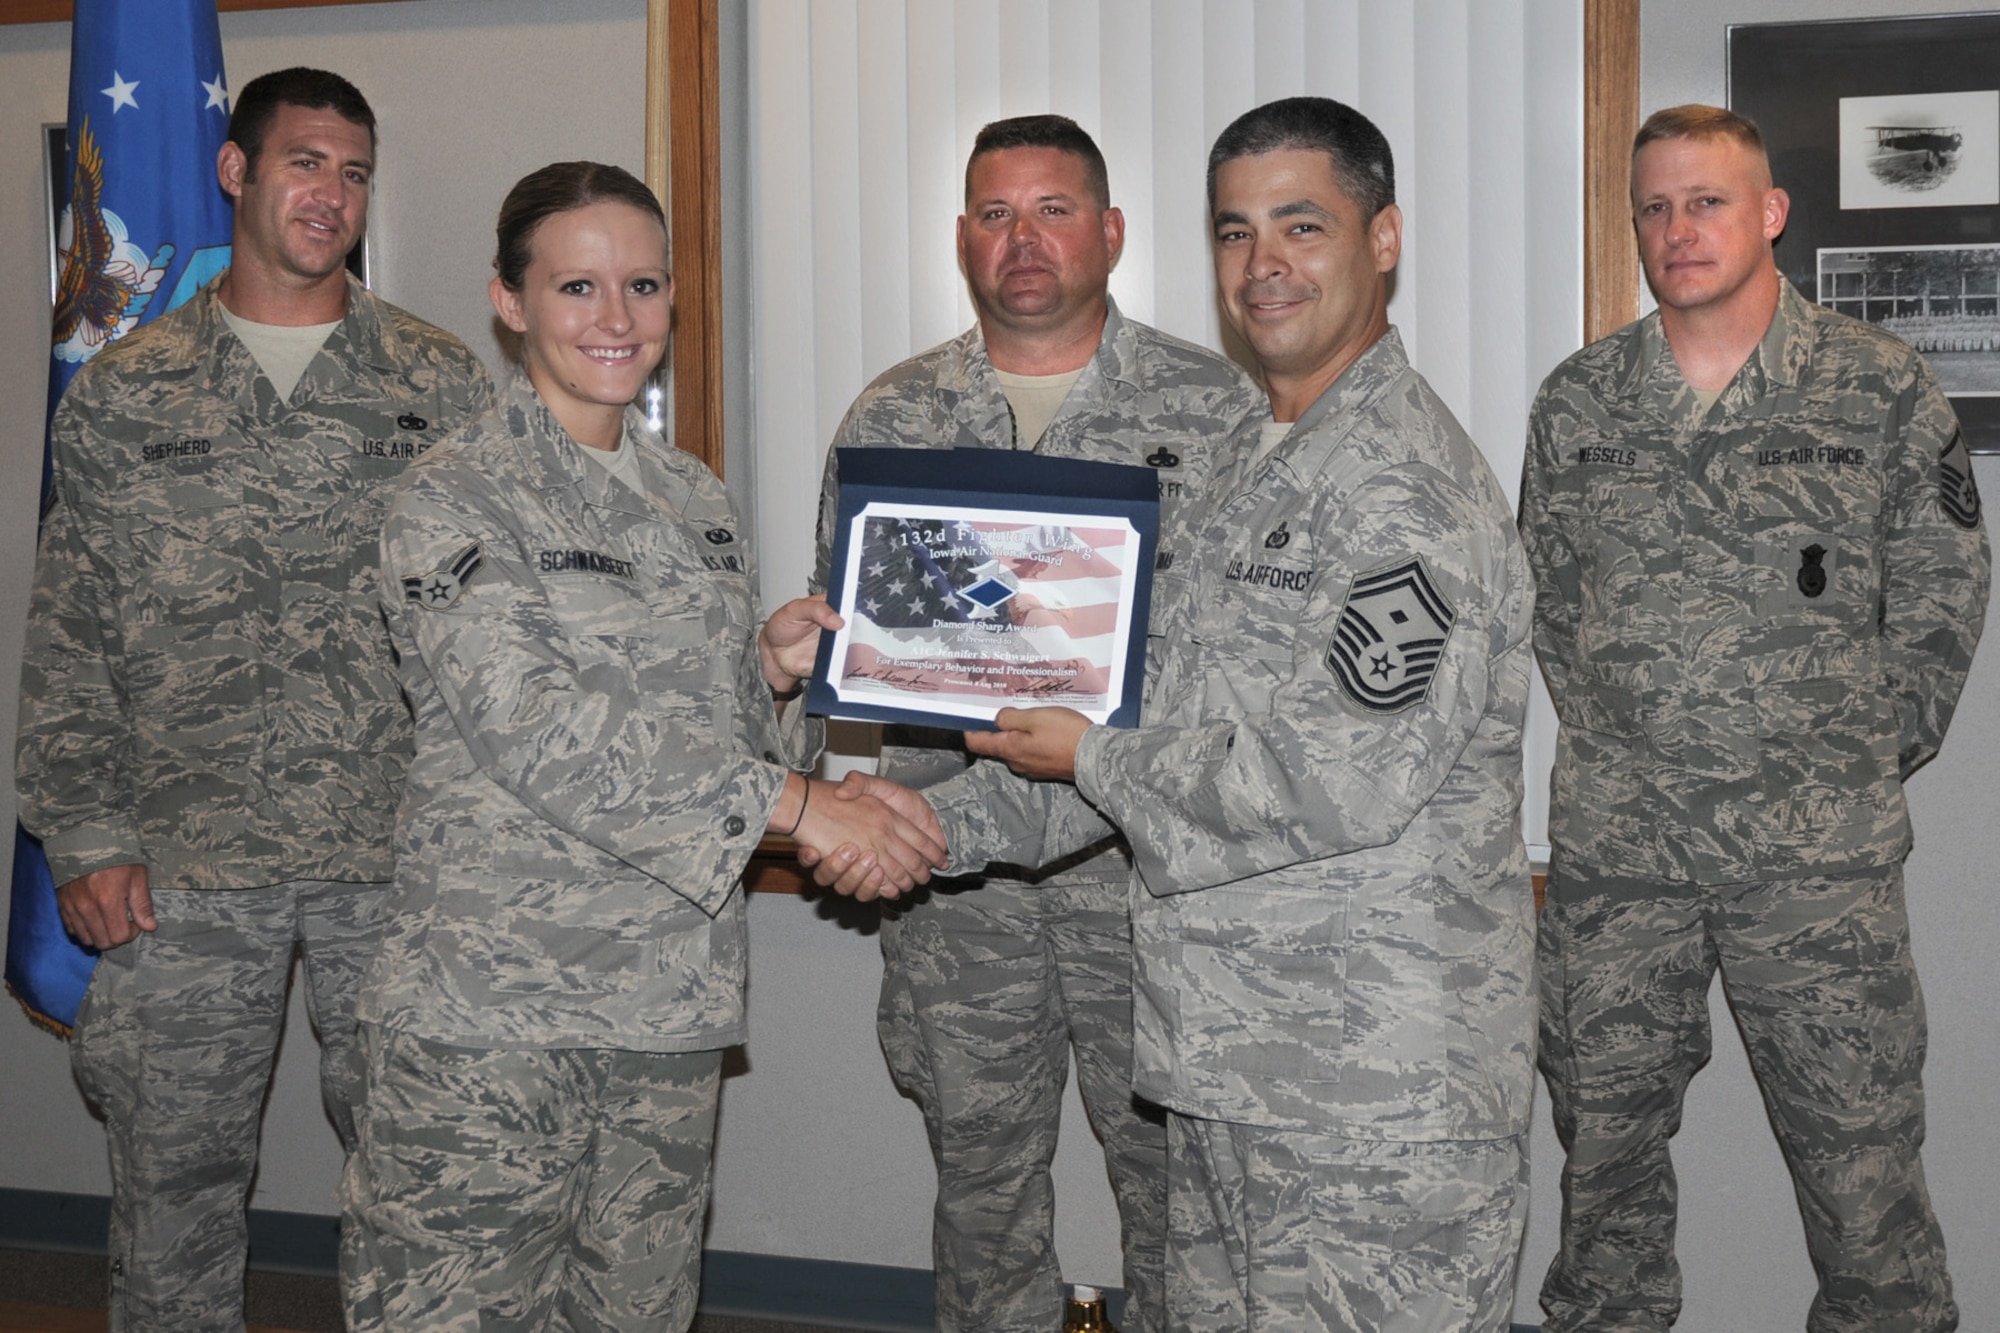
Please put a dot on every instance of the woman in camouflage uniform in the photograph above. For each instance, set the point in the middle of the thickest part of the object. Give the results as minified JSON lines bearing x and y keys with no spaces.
{"x":599,"y":751}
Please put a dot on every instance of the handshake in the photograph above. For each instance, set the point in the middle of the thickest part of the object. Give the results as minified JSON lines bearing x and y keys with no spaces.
{"x":867,"y":837}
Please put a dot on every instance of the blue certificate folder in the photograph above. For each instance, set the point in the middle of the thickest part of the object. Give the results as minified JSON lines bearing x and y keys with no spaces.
{"x":978,"y":579}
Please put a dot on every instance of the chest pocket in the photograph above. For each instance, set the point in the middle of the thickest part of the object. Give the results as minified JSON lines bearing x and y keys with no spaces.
{"x":183,"y":555}
{"x":1246,"y":613}
{"x":1812,"y":544}
{"x":1617,"y":519}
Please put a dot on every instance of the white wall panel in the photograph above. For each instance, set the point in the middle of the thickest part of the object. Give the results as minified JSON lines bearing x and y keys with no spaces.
{"x":1125,"y":134}
{"x":882,"y":205}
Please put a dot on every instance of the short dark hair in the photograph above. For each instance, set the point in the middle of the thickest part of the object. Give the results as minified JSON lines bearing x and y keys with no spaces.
{"x":560,"y":187}
{"x":1694,"y":120}
{"x":256,"y":106}
{"x":1362,"y":164}
{"x":1046,"y":131}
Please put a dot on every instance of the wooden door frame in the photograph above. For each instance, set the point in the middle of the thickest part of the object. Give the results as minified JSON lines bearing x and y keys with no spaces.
{"x":684,"y":167}
{"x":1610,"y":119}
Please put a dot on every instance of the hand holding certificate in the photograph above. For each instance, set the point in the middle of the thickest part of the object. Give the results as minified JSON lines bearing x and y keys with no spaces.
{"x":974,"y":580}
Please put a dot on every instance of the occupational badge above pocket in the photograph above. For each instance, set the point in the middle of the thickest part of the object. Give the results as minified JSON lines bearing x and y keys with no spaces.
{"x":1390,"y":637}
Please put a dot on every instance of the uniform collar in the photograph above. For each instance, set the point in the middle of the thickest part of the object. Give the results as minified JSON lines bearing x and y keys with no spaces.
{"x":1355,"y":390}
{"x":362,"y":333}
{"x":970,"y":374}
{"x":552,"y":464}
{"x":1780,"y":359}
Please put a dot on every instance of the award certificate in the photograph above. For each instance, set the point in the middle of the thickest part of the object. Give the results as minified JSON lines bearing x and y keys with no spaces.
{"x":973,"y":580}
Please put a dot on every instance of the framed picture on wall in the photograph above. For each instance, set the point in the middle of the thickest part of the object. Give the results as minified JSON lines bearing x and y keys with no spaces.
{"x":1886,"y":134}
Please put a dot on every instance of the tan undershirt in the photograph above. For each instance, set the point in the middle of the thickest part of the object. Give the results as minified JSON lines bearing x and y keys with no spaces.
{"x":282,"y":351}
{"x":622,"y":463}
{"x":1035,"y":399}
{"x":1269,"y":436}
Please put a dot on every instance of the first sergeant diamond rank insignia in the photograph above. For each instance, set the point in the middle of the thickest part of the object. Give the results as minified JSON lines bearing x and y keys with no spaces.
{"x":441,"y":587}
{"x":1390,"y":636}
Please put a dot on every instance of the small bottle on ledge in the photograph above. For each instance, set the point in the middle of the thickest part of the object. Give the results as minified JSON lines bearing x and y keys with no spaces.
{"x":1086,"y":1312}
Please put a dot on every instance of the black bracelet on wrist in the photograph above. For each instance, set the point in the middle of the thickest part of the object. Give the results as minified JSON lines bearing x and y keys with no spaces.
{"x":802,"y":809}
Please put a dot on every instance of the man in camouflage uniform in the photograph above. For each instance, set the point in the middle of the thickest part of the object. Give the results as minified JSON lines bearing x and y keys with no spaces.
{"x":1762,"y":572}
{"x":991,"y":980}
{"x":211,"y":738}
{"x":1332,"y":914}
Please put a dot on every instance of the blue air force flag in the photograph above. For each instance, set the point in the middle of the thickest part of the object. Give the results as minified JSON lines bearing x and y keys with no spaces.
{"x":143,"y":224}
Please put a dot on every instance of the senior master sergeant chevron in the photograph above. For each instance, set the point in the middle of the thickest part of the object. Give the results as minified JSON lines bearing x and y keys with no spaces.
{"x":1762,"y":571}
{"x":1331,"y":917}
{"x":212,"y":742}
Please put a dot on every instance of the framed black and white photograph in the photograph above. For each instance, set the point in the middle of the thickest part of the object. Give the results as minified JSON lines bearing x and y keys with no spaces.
{"x":1943,"y":300}
{"x":1886,"y":134}
{"x":1921,"y":150}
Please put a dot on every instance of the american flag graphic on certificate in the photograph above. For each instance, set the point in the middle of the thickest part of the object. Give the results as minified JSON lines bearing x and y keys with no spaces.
{"x":966,"y":612}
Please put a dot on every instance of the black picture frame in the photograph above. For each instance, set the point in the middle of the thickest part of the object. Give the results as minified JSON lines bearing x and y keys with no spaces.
{"x":1791,"y":78}
{"x":911,"y":517}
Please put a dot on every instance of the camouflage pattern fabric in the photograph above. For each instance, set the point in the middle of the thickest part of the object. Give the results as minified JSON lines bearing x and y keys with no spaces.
{"x":1278,"y":1230}
{"x":1818,"y":973}
{"x":1333,"y":914}
{"x":597,"y":749}
{"x":1755,"y":623}
{"x":174,"y":1045}
{"x":1148,"y":400}
{"x":206,"y":688}
{"x":515,"y":1191}
{"x":993,"y":1103}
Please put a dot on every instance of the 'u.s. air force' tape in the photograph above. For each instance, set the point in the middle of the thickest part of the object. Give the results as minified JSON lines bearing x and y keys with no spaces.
{"x":1390,"y":637}
{"x":441,"y":587}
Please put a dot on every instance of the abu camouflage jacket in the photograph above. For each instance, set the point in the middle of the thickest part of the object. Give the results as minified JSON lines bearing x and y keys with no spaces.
{"x":597,"y":749}
{"x":206,"y":685}
{"x":1756,"y":622}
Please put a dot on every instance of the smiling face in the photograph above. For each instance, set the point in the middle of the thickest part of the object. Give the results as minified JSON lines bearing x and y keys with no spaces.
{"x":593,"y":311}
{"x":1037,"y":248}
{"x":1300,"y":270}
{"x":304,"y":203}
{"x":1706,"y":214}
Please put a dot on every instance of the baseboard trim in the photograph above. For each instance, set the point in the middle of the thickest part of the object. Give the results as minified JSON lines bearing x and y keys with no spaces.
{"x":751,"y":1286}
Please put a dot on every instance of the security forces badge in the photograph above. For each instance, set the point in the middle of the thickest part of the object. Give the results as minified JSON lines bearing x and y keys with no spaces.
{"x":1390,"y":637}
{"x":441,"y":587}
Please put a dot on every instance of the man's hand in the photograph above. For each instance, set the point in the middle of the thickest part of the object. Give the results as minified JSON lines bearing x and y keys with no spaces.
{"x":107,"y":907}
{"x":789,"y":641}
{"x":1037,"y":743}
{"x":845,"y":869}
{"x":881,"y":851}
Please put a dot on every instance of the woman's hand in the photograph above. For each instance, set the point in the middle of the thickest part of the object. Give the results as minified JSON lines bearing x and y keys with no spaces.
{"x":883,"y":848}
{"x":789,"y":641}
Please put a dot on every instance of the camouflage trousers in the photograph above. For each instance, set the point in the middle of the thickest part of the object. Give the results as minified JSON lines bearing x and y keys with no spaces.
{"x":175,"y":1043}
{"x":984,"y":992}
{"x":1272,"y":1229}
{"x":537,"y":1190}
{"x":1819,"y":976}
